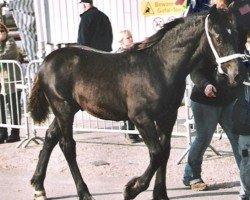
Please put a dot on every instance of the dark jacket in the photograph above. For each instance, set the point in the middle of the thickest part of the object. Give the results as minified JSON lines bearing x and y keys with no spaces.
{"x":241,"y":10}
{"x":203,"y":76}
{"x":241,"y":111}
{"x":95,"y":30}
{"x":241,"y":114}
{"x":247,"y":61}
{"x":200,"y":5}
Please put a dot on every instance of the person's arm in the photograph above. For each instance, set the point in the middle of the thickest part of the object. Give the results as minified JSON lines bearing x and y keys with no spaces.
{"x":200,"y":75}
{"x":84,"y":32}
{"x":9,"y":51}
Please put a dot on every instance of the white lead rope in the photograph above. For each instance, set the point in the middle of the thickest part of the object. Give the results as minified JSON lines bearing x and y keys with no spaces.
{"x":218,"y":59}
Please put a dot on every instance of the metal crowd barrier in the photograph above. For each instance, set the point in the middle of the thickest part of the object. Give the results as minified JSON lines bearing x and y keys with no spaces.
{"x":13,"y":109}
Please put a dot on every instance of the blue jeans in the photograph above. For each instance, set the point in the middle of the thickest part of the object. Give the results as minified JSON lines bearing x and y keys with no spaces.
{"x":206,"y":120}
{"x":244,"y":150}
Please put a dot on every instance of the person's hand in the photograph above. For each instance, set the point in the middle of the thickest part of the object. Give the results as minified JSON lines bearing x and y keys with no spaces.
{"x":210,"y":91}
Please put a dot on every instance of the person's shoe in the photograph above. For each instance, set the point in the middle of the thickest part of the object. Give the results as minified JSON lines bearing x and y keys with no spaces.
{"x":3,"y":137}
{"x":133,"y":138}
{"x":1,"y":141}
{"x":13,"y":138}
{"x":186,"y":182}
{"x":244,"y":198}
{"x":196,"y":184}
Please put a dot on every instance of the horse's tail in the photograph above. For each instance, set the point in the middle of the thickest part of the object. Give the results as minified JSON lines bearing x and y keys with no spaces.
{"x":38,"y":104}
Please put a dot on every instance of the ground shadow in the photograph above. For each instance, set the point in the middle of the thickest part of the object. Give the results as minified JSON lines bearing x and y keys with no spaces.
{"x":186,"y":196}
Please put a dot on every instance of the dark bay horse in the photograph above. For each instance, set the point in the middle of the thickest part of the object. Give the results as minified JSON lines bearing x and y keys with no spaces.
{"x":145,"y":84}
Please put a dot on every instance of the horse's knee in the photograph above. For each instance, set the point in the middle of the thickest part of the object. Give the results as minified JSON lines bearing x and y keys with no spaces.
{"x":157,"y":157}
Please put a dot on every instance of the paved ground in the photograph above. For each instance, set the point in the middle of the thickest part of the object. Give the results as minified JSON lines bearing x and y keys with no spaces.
{"x":107,"y":162}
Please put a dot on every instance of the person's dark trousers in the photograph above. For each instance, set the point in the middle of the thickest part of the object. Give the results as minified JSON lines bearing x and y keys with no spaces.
{"x":132,"y":137}
{"x":15,"y":115}
{"x":242,"y":39}
{"x":3,"y":131}
{"x":131,"y":126}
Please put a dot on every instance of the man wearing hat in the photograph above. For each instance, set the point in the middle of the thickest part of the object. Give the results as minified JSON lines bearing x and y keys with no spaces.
{"x":95,"y":28}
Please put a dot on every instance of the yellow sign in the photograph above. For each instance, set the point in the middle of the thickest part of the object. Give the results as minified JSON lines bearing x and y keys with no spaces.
{"x":163,"y":7}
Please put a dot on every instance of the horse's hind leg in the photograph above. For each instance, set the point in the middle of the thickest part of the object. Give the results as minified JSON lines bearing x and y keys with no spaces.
{"x":68,"y":147}
{"x":50,"y":142}
{"x":148,"y":132}
{"x":164,"y":130}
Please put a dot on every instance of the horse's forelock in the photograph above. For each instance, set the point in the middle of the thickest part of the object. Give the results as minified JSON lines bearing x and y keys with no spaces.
{"x":219,"y":14}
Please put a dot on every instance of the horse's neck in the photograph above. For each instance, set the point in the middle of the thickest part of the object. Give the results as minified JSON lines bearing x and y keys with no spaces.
{"x":183,"y":48}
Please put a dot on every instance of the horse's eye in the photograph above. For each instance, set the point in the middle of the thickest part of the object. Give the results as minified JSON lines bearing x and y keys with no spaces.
{"x":218,"y":40}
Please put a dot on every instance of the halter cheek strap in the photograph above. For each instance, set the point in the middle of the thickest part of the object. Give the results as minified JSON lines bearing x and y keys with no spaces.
{"x":224,"y":59}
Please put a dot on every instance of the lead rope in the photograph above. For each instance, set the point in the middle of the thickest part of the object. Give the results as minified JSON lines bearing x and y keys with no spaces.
{"x":217,"y":58}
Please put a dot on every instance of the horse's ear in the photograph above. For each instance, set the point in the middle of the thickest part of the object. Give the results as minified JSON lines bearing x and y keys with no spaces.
{"x":213,"y":11}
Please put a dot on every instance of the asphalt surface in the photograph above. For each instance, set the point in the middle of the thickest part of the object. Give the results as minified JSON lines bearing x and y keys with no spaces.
{"x":107,"y":182}
{"x":14,"y":185}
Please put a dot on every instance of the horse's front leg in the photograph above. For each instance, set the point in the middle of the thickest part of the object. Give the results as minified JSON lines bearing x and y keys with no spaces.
{"x":147,"y":129}
{"x":37,"y":180}
{"x":164,"y":130}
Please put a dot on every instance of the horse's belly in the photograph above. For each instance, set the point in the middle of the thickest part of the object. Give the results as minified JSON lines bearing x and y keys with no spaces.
{"x":104,"y":113}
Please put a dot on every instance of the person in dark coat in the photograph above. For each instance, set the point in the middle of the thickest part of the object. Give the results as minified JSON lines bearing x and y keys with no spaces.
{"x":241,"y":10}
{"x":95,"y":28}
{"x":241,"y":127}
{"x":199,"y":5}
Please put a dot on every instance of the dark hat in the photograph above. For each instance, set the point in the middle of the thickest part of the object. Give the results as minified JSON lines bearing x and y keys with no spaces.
{"x":86,"y":1}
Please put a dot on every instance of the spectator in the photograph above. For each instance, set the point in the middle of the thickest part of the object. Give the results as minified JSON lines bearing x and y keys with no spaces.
{"x":126,"y":42}
{"x":219,"y":4}
{"x":95,"y":28}
{"x":241,"y":10}
{"x":9,"y":76}
{"x":199,"y":5}
{"x":241,"y":127}
{"x":212,"y":104}
{"x":247,"y":51}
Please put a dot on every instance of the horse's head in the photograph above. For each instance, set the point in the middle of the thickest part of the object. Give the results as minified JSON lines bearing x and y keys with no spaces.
{"x":222,"y":37}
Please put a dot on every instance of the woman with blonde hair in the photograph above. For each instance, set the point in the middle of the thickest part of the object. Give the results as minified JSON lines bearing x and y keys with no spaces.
{"x":125,"y":40}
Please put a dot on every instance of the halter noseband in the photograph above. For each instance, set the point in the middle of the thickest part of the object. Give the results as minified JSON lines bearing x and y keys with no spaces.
{"x":217,"y":58}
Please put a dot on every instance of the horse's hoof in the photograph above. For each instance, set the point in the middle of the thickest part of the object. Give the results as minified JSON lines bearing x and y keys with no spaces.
{"x":133,"y":188}
{"x":129,"y":190}
{"x":86,"y":198}
{"x":39,"y":195}
{"x":160,"y":192}
{"x":161,"y":198}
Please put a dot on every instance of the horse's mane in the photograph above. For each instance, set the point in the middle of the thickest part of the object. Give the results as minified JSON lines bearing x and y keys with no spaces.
{"x":150,"y":41}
